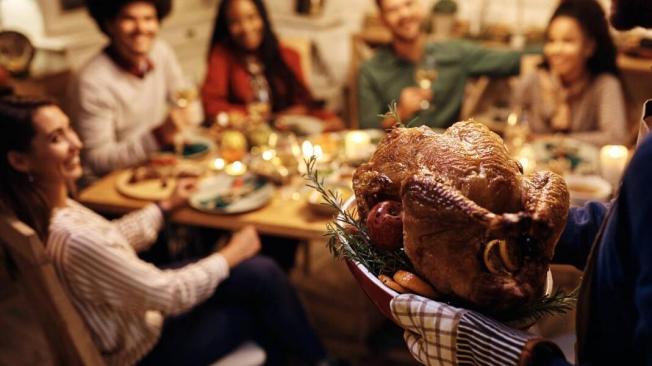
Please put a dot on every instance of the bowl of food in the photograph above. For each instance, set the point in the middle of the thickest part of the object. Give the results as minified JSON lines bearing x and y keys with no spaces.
{"x":584,"y":188}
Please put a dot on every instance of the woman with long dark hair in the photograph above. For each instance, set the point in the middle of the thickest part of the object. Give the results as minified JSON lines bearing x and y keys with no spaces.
{"x":138,"y":313}
{"x":247,"y":65}
{"x":577,"y":89}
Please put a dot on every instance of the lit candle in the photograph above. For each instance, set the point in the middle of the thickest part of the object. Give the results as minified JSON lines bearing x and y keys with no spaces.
{"x":527,"y":159}
{"x":356,"y":145}
{"x":318,"y":153}
{"x":236,"y":168}
{"x":613,"y":159}
{"x":307,"y":149}
{"x":218,"y":164}
{"x":268,"y":155}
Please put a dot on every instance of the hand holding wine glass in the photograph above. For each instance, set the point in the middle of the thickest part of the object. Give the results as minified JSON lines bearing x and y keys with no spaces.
{"x":425,"y":75}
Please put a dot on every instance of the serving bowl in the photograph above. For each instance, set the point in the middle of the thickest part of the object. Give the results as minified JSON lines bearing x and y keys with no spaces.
{"x":382,"y":295}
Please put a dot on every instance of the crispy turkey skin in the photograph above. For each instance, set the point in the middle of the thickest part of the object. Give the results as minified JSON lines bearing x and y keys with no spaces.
{"x":460,"y":190}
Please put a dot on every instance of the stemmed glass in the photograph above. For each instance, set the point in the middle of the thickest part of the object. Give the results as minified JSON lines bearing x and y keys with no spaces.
{"x":184,"y":97}
{"x":425,"y":75}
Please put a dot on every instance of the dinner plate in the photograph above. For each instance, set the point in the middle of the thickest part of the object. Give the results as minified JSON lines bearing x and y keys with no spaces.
{"x":167,"y":169}
{"x":151,"y":189}
{"x":581,"y":157}
{"x":224,"y":194}
{"x":382,"y":295}
{"x":584,"y":188}
{"x":301,"y":125}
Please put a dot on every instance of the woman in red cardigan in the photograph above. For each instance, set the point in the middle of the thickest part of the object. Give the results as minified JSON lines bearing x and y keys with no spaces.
{"x":248,"y":65}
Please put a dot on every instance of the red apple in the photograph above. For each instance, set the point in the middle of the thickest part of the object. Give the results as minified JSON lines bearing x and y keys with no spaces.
{"x":385,"y":225}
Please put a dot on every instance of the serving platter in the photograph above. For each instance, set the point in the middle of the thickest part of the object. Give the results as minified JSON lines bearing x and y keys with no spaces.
{"x":381,"y":295}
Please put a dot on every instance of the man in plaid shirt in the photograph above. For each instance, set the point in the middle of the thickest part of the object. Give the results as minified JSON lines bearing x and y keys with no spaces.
{"x":613,"y":243}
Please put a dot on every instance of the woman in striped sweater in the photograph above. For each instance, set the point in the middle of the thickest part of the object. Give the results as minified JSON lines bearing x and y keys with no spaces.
{"x":136,"y":312}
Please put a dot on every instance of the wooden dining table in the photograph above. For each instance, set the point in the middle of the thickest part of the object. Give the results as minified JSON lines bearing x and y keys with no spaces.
{"x":289,"y":218}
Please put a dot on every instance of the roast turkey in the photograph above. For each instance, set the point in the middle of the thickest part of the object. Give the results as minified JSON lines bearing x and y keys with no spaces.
{"x":474,"y":226}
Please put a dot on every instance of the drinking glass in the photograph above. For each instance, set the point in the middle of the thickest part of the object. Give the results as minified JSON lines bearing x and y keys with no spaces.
{"x":426,"y":74}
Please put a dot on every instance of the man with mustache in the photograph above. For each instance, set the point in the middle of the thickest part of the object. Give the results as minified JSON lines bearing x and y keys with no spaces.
{"x":390,"y":74}
{"x":121,"y":98}
{"x":612,"y":243}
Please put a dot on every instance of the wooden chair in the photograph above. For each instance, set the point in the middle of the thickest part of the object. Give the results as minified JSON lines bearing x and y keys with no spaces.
{"x":303,"y":47}
{"x":70,"y":340}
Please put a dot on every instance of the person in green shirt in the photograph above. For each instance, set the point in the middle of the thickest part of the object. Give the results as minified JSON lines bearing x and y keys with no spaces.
{"x":390,"y":74}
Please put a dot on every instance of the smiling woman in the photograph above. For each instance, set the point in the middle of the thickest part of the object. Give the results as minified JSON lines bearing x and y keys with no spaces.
{"x":577,"y":90}
{"x":34,"y":128}
{"x":135,"y":311}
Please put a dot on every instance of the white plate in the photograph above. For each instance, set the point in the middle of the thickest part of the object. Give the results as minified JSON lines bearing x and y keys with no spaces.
{"x":583,"y":188}
{"x":150,"y":190}
{"x":301,"y":125}
{"x":224,"y":194}
{"x":582,"y":157}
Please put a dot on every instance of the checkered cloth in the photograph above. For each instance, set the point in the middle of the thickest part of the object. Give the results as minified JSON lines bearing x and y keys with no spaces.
{"x":440,"y":334}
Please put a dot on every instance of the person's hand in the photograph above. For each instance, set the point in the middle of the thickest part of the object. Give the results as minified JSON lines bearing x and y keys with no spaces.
{"x":334,"y":124}
{"x":409,"y":103}
{"x":440,"y":334}
{"x":185,"y":187}
{"x":294,"y":110}
{"x":177,"y":120}
{"x":411,"y":100}
{"x":244,"y":244}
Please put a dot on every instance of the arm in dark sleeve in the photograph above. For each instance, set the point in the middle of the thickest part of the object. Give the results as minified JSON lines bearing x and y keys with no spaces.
{"x":637,"y":205}
{"x":582,"y":226}
{"x":370,"y":103}
{"x":493,"y":61}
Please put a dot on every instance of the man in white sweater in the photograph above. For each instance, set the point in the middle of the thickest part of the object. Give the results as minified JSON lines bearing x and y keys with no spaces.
{"x":120,"y":99}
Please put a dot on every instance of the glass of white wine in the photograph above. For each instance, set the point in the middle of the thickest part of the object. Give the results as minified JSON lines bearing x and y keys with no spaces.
{"x":425,"y":75}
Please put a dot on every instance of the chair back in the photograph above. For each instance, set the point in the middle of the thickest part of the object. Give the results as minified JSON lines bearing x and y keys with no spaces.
{"x":303,"y":47}
{"x":70,"y":340}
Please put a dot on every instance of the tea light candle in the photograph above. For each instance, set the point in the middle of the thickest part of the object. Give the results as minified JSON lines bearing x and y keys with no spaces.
{"x":268,"y":155}
{"x":356,"y":145}
{"x":613,"y":159}
{"x":318,"y":153}
{"x":236,"y":168}
{"x":307,"y":149}
{"x":527,"y":159}
{"x":218,"y":164}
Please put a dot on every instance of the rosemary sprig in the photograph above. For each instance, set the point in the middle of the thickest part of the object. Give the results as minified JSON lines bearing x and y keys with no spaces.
{"x":348,"y":238}
{"x":393,"y":113}
{"x":347,"y":235}
{"x":559,"y":302}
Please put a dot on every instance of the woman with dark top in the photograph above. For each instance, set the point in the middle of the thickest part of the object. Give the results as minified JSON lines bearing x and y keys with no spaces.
{"x":137,"y":313}
{"x":577,"y":90}
{"x":248,"y":66}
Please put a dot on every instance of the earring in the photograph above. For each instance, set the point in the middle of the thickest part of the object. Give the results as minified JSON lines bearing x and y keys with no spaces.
{"x":30,"y":178}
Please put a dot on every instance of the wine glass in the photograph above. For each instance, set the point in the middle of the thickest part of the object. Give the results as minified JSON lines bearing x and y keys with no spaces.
{"x":425,"y":75}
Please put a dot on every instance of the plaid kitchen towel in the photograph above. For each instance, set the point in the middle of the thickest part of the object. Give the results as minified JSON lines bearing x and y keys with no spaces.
{"x":443,"y":335}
